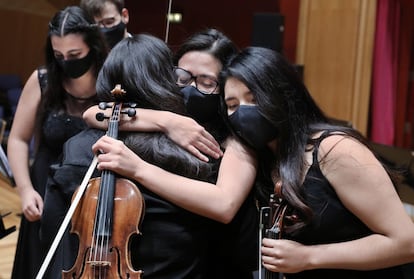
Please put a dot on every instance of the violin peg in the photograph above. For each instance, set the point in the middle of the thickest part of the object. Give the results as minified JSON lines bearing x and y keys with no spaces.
{"x":100,"y":116}
{"x":131,"y":112}
{"x":104,"y":105}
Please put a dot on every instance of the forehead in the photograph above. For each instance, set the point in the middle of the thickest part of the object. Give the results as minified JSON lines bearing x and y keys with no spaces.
{"x":234,"y":88}
{"x":68,"y":43}
{"x":109,"y":10}
{"x":199,"y":62}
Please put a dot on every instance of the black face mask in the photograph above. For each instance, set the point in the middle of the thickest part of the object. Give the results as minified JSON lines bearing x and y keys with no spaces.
{"x":203,"y":107}
{"x":114,"y":34}
{"x":251,"y":126}
{"x":75,"y":68}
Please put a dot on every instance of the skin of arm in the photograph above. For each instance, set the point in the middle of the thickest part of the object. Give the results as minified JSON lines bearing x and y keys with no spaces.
{"x":219,"y":202}
{"x":366,"y":190}
{"x":18,"y":148}
{"x":183,"y":130}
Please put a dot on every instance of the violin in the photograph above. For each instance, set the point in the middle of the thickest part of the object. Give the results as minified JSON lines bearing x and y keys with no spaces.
{"x":108,"y":214}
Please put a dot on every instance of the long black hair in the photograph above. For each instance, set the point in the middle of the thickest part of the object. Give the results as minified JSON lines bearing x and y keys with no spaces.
{"x":283,"y":99}
{"x":71,"y":20}
{"x":142,"y":65}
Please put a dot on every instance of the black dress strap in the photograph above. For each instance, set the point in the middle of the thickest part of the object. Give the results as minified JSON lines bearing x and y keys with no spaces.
{"x":42,"y":77}
{"x":316,"y":145}
{"x":317,"y":142}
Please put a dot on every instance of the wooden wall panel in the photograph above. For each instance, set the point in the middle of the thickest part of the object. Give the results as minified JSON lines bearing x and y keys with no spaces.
{"x":335,"y":42}
{"x":23,"y":38}
{"x":23,"y":30}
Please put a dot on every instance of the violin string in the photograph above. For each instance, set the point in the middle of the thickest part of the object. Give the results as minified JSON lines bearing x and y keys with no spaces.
{"x":97,"y":230}
{"x":103,"y":218}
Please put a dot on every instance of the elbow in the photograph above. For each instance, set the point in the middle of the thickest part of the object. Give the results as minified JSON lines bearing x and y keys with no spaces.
{"x":225,"y":218}
{"x":227,"y":213}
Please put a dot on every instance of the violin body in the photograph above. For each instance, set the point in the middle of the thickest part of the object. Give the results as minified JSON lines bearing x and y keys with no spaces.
{"x":111,"y":257}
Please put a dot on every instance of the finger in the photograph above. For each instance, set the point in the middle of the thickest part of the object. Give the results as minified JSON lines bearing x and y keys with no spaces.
{"x":31,"y":214}
{"x":209,"y":148}
{"x":40,"y":207}
{"x":210,"y":141}
{"x":193,"y":150}
{"x":205,"y":150}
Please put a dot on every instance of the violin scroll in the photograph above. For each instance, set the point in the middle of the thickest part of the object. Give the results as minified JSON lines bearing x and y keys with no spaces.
{"x":128,"y":108}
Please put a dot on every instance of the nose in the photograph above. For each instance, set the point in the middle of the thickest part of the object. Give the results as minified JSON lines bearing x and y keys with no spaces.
{"x":193,"y":83}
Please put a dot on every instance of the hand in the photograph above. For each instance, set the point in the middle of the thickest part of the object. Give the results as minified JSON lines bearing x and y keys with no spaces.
{"x":116,"y":156}
{"x":190,"y":135}
{"x":32,"y":204}
{"x":281,"y":255}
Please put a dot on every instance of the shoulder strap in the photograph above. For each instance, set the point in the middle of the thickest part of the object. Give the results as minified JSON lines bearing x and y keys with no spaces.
{"x":317,"y":142}
{"x":42,"y":77}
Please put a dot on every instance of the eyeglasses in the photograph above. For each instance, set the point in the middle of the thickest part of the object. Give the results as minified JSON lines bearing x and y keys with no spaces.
{"x":108,"y":22}
{"x":205,"y":83}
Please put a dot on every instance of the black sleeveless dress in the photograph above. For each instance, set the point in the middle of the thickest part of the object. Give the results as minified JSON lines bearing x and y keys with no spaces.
{"x":332,"y":222}
{"x":57,"y":128}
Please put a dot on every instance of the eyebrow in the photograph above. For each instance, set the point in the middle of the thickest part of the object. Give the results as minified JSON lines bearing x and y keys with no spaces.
{"x":229,"y":99}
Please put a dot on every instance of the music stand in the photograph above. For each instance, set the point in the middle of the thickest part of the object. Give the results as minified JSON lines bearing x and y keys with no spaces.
{"x":3,"y":231}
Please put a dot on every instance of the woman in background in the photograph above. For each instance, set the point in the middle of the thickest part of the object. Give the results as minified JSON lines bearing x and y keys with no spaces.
{"x":50,"y":110}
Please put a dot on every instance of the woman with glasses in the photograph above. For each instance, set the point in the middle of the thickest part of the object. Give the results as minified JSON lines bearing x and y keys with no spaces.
{"x":230,"y":201}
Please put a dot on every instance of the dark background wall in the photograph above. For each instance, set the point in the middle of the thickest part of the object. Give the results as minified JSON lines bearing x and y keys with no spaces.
{"x":234,"y":18}
{"x":24,"y":25}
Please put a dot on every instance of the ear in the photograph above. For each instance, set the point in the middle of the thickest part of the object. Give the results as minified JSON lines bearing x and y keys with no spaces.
{"x":125,"y":15}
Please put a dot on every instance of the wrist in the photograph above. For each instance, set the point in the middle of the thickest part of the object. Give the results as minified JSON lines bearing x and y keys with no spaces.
{"x":163,"y":121}
{"x":21,"y":190}
{"x":312,"y":256}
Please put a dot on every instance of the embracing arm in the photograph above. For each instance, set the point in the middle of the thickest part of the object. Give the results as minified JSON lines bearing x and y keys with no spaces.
{"x":183,"y":130}
{"x":18,"y":144}
{"x":366,"y":190}
{"x":219,"y":202}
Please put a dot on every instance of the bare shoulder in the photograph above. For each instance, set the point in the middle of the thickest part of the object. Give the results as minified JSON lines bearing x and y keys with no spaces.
{"x":342,"y":150}
{"x":341,"y":144}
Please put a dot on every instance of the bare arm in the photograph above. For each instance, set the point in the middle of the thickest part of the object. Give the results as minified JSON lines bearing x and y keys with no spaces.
{"x":18,"y":147}
{"x":184,"y":131}
{"x":219,"y":202}
{"x":366,"y":190}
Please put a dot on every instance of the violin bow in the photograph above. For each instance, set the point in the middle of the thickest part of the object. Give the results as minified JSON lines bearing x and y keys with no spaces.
{"x":68,"y":218}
